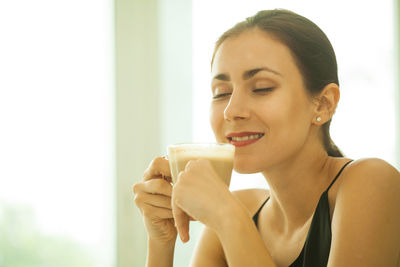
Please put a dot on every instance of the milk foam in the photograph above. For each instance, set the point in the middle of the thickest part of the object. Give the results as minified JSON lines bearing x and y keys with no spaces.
{"x":203,"y":151}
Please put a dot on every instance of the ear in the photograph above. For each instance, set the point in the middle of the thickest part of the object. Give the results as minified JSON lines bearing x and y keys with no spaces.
{"x":326,"y":103}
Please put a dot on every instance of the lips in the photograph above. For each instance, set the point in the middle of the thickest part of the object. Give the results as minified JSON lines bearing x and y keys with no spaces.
{"x":240,"y":139}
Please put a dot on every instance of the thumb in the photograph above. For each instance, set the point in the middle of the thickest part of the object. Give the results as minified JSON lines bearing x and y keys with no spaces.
{"x":181,"y":222}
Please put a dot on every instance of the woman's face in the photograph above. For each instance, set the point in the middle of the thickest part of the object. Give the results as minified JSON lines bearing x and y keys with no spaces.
{"x":259,"y":102}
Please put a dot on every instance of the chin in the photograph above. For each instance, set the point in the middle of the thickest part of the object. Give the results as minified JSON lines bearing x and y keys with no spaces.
{"x":244,"y":168}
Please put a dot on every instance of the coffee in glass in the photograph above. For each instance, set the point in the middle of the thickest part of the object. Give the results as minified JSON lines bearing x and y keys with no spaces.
{"x":219,"y":155}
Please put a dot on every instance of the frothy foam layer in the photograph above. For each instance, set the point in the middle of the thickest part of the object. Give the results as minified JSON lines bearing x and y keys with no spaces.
{"x":203,"y":151}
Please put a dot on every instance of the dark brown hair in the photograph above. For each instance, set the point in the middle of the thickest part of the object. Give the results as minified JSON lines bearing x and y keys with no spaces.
{"x":310,"y":47}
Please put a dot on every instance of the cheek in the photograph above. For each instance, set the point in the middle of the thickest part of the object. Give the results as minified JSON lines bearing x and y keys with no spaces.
{"x":285,"y":118}
{"x":295,"y":123}
{"x":292,"y":108}
{"x":300,"y":111}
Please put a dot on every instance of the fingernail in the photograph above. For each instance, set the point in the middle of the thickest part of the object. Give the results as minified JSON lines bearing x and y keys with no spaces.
{"x":185,"y":238}
{"x":182,"y":238}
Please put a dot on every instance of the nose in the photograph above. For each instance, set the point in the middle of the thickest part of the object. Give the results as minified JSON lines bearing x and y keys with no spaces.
{"x":237,"y":108}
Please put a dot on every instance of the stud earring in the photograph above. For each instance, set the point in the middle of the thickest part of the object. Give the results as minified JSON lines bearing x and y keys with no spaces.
{"x":319,"y":119}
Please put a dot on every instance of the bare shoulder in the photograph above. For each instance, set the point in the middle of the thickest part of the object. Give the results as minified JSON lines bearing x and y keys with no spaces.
{"x":365,"y":221}
{"x":251,"y":198}
{"x":371,"y":172}
{"x":374,"y":164}
{"x":369,"y":181}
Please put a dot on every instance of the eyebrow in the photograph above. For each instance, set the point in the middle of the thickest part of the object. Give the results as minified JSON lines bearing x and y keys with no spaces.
{"x":246,"y":75}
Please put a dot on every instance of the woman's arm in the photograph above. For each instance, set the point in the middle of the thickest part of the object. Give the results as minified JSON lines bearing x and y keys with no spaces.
{"x":210,"y":252}
{"x":239,"y":245}
{"x":366,"y":218}
{"x":153,"y":198}
{"x":160,"y":255}
{"x":241,"y":240}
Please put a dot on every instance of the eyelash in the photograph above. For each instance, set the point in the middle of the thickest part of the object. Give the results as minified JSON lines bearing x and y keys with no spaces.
{"x":221,"y":95}
{"x":263,"y":90}
{"x":259,"y":90}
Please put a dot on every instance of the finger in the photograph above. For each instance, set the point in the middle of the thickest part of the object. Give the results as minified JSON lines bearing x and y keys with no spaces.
{"x":181,"y":223}
{"x":153,"y":212}
{"x":152,"y":199}
{"x":159,"y":168}
{"x":158,"y":186}
{"x":159,"y":201}
{"x":154,"y":186}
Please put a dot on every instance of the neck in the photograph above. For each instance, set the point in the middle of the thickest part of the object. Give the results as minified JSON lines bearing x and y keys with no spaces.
{"x":296,"y":186}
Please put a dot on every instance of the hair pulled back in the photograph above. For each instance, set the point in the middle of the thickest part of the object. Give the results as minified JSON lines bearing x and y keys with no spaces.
{"x":310,"y":47}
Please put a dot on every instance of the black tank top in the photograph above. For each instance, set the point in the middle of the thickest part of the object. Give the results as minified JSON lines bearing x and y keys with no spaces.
{"x":315,"y":252}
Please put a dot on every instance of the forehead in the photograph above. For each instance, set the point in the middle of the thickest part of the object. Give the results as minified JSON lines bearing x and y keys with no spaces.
{"x":253,"y":48}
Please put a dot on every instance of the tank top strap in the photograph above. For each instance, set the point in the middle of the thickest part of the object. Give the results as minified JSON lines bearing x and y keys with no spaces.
{"x":344,"y":166}
{"x":255,"y":216}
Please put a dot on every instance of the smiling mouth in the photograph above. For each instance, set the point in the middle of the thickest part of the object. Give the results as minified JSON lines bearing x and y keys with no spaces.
{"x":244,"y":140}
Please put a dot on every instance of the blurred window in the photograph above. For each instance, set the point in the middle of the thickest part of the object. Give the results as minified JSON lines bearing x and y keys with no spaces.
{"x":56,"y":133}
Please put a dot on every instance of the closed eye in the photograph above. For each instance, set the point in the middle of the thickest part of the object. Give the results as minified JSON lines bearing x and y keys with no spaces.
{"x":221,"y":95}
{"x":263,"y":90}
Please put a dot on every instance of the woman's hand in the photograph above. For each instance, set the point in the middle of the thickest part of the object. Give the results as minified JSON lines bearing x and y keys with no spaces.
{"x":202,"y":195}
{"x":153,"y":198}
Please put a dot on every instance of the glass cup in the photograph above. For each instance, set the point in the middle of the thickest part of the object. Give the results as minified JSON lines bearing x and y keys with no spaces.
{"x":219,"y":155}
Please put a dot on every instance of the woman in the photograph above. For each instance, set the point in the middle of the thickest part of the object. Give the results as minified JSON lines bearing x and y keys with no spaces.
{"x":275,"y":81}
